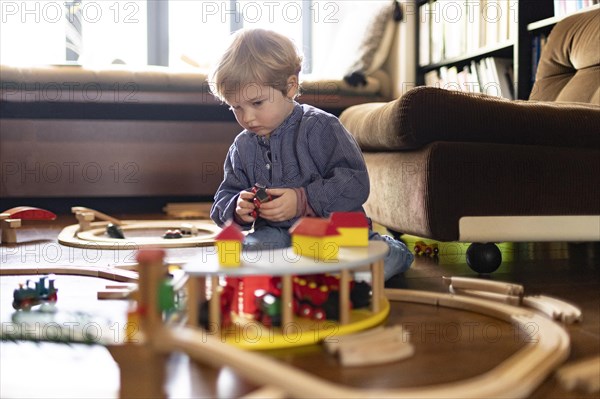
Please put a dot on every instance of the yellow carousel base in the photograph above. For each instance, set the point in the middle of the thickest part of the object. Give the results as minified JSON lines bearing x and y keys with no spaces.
{"x":253,"y":335}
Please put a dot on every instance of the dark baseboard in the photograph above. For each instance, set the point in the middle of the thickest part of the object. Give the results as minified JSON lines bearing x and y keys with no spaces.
{"x":108,"y":205}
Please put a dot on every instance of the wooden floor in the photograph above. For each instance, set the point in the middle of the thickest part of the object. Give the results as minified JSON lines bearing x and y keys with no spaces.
{"x":449,"y":344}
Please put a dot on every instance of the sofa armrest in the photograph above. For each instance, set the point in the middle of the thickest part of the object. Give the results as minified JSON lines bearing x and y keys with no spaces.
{"x":427,"y":114}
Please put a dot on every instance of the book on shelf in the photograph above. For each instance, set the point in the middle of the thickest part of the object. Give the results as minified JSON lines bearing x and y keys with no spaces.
{"x":472,"y":30}
{"x":436,"y":33}
{"x":490,"y":75}
{"x":450,"y":29}
{"x":565,"y":7}
{"x":476,"y":78}
{"x":424,"y":31}
{"x":502,"y":76}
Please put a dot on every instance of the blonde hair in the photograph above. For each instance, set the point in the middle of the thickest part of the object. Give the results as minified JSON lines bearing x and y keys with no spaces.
{"x":255,"y":56}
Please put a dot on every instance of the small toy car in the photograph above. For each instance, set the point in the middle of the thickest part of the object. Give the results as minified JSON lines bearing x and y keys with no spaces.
{"x":173,"y":234}
{"x":421,"y":248}
{"x":260,"y":196}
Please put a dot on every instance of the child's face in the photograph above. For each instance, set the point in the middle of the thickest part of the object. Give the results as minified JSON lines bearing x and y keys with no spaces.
{"x":260,"y":109}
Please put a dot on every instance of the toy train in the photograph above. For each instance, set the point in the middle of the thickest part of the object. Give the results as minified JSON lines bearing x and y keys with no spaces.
{"x":30,"y":295}
{"x":315,"y":297}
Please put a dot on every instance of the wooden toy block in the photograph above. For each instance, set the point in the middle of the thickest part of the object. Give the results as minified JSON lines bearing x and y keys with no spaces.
{"x":12,"y":223}
{"x":383,"y":352}
{"x":353,"y":228}
{"x":9,"y":233}
{"x":229,"y":245}
{"x":316,"y":238}
{"x":388,"y":348}
{"x":379,"y":345}
{"x":230,"y":253}
{"x":85,"y":220}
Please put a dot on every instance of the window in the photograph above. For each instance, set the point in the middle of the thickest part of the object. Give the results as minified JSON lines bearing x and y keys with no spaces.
{"x":30,"y":32}
{"x":87,"y":32}
{"x":176,"y":33}
{"x":198,"y":29}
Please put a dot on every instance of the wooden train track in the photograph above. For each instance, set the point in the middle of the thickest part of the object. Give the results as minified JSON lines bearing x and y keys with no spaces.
{"x":95,"y":237}
{"x":516,"y":377}
{"x":513,"y":294}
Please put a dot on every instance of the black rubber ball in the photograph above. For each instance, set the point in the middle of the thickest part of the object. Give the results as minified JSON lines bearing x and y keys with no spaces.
{"x":484,"y":258}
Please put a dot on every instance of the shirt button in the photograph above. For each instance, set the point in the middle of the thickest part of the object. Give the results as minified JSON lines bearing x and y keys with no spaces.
{"x":268,"y":166}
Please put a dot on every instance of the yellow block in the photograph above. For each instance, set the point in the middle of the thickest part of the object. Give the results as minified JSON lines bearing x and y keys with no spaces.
{"x":354,"y":236}
{"x":325,"y":249}
{"x":229,"y":253}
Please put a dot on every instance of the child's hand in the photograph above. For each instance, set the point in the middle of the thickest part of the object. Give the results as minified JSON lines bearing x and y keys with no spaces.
{"x":245,"y":206}
{"x":281,"y":207}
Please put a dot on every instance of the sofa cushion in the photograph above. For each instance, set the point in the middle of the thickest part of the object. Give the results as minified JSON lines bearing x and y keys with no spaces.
{"x":569,"y":69}
{"x":427,"y":114}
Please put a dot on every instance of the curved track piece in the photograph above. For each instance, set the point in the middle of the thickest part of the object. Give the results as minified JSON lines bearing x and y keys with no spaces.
{"x":554,"y":308}
{"x":96,"y":236}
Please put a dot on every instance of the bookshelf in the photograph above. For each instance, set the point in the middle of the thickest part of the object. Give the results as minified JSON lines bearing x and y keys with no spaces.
{"x":491,"y":46}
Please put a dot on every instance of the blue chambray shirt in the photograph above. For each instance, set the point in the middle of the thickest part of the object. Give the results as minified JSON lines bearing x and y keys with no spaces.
{"x":310,"y":149}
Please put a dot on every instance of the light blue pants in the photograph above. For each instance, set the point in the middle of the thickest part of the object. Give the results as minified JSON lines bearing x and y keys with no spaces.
{"x":397,"y":260}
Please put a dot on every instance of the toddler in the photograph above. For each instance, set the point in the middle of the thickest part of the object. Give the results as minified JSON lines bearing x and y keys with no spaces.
{"x":308,"y":161}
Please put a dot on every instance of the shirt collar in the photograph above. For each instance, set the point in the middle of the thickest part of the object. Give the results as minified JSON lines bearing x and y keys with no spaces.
{"x":292,"y":118}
